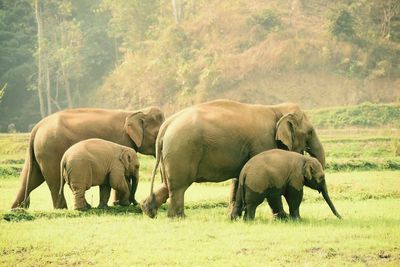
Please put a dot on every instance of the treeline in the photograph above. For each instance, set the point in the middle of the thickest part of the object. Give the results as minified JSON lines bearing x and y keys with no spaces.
{"x":129,"y":54}
{"x":52,"y":54}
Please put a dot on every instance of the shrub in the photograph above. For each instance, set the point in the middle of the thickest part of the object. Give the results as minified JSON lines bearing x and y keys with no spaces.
{"x":269,"y":20}
{"x":342,"y":24}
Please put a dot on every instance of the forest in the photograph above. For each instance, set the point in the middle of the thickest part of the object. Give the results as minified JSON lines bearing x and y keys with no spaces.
{"x":132,"y":54}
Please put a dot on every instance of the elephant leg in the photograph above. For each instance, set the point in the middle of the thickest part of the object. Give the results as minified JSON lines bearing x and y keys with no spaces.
{"x":176,"y":207}
{"x":51,"y":172}
{"x":35,"y":179}
{"x":250,"y":212}
{"x":80,"y":202}
{"x":294,"y":198}
{"x":134,"y":186}
{"x":252,"y":201}
{"x":105,"y":191}
{"x":275,"y":202}
{"x":232,"y":193}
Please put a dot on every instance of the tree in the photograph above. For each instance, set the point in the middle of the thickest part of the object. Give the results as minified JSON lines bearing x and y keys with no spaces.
{"x":390,"y":9}
{"x":17,"y":64}
{"x":41,"y":59}
{"x":342,"y":24}
{"x":177,"y":10}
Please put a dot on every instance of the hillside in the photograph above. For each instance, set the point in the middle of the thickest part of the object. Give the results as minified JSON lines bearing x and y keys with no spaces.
{"x":256,"y":51}
{"x":132,"y":54}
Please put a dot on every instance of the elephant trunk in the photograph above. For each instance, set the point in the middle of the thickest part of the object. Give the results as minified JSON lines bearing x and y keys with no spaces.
{"x":316,"y":150}
{"x":325,"y":194}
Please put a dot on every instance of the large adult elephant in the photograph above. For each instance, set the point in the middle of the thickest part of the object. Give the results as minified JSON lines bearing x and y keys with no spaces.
{"x":53,"y":135}
{"x":210,"y":142}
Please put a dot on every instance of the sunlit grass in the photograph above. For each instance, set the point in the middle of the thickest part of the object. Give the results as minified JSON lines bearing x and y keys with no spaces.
{"x":369,"y":232}
{"x":369,"y":202}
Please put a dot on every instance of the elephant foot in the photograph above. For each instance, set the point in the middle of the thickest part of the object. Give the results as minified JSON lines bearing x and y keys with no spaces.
{"x":295,"y":218}
{"x":102,"y":206}
{"x":149,"y":206}
{"x":121,"y":203}
{"x":281,"y":215}
{"x":177,"y":215}
{"x":24,"y":204}
{"x":134,"y":202}
{"x":234,"y":217}
{"x":85,"y":208}
{"x":235,"y":214}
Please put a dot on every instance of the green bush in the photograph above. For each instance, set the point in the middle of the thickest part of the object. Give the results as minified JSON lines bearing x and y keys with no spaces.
{"x":342,"y":24}
{"x":10,"y":170}
{"x":362,"y":164}
{"x":269,"y":20}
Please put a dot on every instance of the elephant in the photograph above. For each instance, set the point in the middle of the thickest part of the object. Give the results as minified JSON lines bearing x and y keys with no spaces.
{"x":211,"y":142}
{"x":53,"y":135}
{"x":274,"y":173}
{"x":99,"y":162}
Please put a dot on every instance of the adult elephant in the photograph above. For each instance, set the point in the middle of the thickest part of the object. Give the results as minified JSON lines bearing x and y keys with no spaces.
{"x":53,"y":135}
{"x":210,"y":142}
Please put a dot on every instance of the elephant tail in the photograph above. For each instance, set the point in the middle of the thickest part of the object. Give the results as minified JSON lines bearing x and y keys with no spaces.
{"x":159,"y":144}
{"x":241,"y":190}
{"x":27,"y":169}
{"x":240,"y":198}
{"x":63,"y":174}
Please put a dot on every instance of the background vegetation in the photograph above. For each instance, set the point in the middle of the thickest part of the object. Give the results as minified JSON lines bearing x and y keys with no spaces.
{"x":130,"y":54}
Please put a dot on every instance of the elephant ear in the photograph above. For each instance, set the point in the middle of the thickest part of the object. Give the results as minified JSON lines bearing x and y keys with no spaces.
{"x":285,"y":130}
{"x":125,"y":158}
{"x":134,"y":127}
{"x":307,"y":170}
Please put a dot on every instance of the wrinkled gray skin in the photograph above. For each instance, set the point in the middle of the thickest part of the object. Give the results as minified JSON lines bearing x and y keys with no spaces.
{"x":53,"y":135}
{"x":211,"y":142}
{"x":99,"y":162}
{"x":275,"y":173}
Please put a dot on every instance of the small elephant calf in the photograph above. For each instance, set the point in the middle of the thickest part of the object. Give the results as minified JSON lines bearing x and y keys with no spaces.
{"x":274,"y":173}
{"x":99,"y":162}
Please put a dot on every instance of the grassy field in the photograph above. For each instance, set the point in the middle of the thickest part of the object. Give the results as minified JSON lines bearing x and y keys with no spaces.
{"x":368,"y":198}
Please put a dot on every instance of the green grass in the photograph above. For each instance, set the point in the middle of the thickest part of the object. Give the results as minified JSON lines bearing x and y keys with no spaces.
{"x":346,"y":149}
{"x":368,"y":201}
{"x":364,"y":115}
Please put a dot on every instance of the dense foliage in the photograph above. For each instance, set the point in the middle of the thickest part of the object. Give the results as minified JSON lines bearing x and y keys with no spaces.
{"x":130,"y":54}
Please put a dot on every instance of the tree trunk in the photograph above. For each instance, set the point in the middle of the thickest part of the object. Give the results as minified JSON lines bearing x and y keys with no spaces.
{"x":48,"y":94}
{"x":177,"y":10}
{"x":40,"y":48}
{"x":67,"y":89}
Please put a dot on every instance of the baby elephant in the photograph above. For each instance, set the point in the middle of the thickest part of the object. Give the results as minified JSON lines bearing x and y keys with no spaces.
{"x":274,"y":173}
{"x":98,"y":162}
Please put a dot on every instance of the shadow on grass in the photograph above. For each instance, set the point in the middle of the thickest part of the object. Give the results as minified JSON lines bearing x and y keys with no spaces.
{"x":23,"y":215}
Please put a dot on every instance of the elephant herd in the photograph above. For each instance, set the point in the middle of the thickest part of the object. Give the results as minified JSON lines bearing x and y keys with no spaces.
{"x":259,"y":147}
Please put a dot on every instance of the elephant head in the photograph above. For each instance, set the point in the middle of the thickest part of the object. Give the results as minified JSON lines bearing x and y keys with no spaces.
{"x":130,"y":162}
{"x":296,"y":133}
{"x":131,"y":165}
{"x":142,"y":127}
{"x":314,"y":178}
